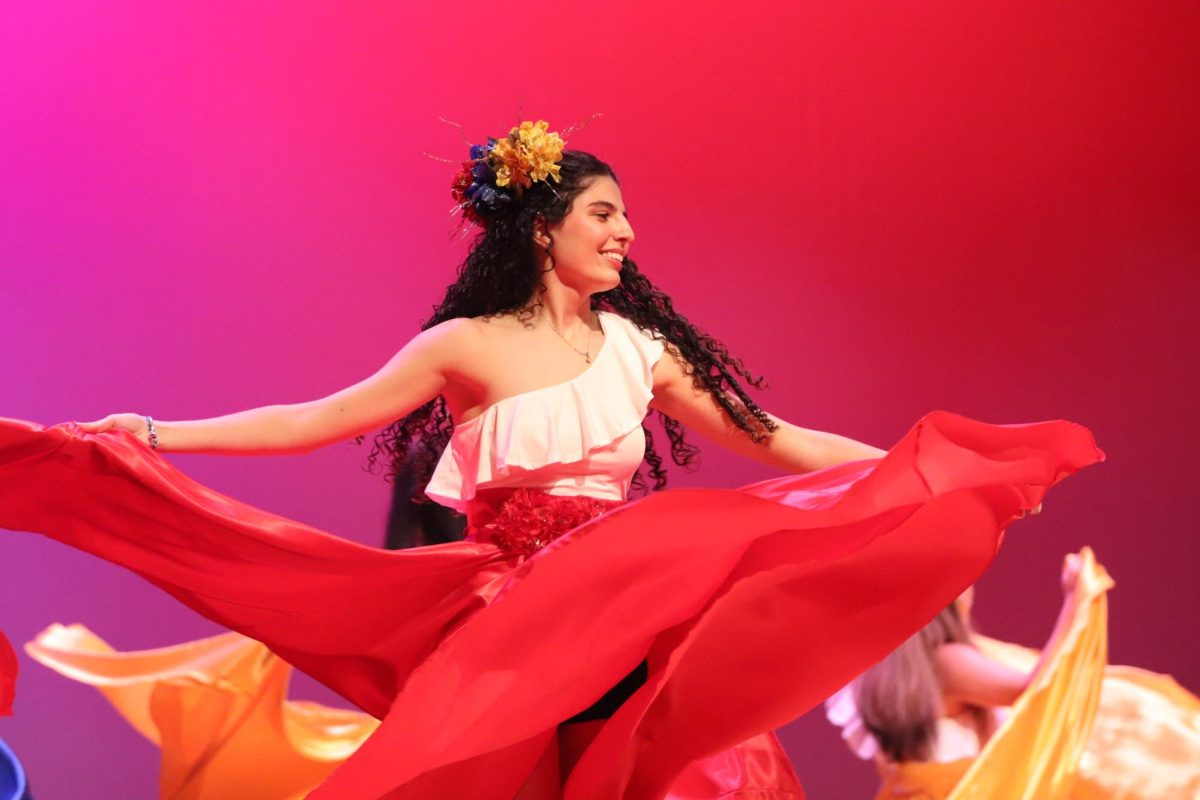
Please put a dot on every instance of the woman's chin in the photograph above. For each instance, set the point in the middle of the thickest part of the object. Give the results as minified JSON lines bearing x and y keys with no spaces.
{"x":595,"y":283}
{"x":610,"y":281}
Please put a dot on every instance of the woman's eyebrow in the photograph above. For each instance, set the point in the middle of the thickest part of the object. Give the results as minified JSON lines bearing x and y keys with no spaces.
{"x":607,"y":205}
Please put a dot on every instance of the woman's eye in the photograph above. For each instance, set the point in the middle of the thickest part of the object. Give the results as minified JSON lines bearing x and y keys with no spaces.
{"x":603,"y":217}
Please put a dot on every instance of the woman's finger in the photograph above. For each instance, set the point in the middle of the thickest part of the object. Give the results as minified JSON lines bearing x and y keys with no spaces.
{"x":1030,"y":512}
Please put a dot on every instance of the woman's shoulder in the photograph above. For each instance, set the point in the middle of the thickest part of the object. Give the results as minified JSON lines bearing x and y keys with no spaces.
{"x":500,"y":330}
{"x":473,"y":338}
{"x":448,"y":343}
{"x":452,"y":333}
{"x":474,"y":330}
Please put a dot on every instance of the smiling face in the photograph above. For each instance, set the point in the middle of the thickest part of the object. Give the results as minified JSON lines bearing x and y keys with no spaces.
{"x":591,"y":242}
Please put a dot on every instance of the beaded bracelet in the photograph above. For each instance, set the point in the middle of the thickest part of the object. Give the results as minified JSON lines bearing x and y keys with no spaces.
{"x":151,"y":433}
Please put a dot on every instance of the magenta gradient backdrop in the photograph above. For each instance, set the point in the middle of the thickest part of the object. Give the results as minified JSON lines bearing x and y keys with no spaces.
{"x":885,"y":207}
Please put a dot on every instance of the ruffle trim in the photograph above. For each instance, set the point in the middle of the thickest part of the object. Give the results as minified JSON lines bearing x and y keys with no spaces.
{"x":555,"y":425}
{"x":842,"y":711}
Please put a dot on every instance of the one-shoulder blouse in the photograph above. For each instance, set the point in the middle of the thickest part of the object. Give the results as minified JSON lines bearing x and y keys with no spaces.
{"x":580,"y":437}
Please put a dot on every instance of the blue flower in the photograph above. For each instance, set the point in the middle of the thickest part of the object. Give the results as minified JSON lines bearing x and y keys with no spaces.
{"x":482,"y":172}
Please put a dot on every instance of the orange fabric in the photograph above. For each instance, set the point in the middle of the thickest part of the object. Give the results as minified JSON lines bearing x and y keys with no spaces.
{"x":472,"y":656}
{"x":1036,"y":752}
{"x":217,"y":707}
{"x":1145,"y":741}
{"x":920,"y":780}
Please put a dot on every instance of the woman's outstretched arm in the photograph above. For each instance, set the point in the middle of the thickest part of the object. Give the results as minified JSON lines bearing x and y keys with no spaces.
{"x":790,"y":447}
{"x":411,"y":378}
{"x":968,"y":676}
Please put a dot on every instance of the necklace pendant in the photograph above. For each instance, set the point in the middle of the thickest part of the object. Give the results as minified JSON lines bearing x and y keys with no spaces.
{"x":587,"y":354}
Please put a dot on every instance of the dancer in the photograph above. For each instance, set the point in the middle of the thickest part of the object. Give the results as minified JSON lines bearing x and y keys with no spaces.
{"x":952,"y":714}
{"x":575,"y":641}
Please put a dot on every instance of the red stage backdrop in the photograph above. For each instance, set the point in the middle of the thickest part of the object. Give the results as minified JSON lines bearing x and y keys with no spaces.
{"x":884,"y":207}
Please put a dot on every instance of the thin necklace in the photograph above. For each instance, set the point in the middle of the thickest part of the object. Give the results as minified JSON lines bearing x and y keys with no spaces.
{"x":587,"y":354}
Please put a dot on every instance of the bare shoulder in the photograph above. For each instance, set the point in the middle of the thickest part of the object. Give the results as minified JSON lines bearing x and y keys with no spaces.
{"x":458,"y":329}
{"x":467,"y":344}
{"x":493,"y":329}
{"x":438,"y":349}
{"x":454,"y":336}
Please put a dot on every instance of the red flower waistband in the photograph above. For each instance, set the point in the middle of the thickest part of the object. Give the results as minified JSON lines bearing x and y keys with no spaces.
{"x":529,"y":519}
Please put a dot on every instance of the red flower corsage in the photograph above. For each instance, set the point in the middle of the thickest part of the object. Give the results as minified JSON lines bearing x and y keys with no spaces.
{"x":529,"y":520}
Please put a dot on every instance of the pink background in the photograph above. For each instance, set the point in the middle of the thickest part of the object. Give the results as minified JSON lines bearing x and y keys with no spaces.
{"x":884,"y":207}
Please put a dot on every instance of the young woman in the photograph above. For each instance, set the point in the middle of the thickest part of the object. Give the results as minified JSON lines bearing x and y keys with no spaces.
{"x":575,"y":643}
{"x":951,"y":713}
{"x":936,"y":698}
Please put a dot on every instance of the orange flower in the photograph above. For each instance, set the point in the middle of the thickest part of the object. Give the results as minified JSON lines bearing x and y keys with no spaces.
{"x":529,"y":153}
{"x":506,"y":161}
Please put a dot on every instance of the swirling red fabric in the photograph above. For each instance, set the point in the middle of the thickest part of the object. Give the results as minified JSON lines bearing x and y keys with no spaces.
{"x":8,"y":675}
{"x":750,"y":606}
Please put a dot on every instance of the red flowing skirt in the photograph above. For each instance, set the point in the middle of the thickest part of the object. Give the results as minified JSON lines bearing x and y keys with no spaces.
{"x":750,"y":606}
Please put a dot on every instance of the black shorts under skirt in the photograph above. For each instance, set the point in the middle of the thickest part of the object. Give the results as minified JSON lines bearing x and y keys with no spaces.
{"x":607,"y":705}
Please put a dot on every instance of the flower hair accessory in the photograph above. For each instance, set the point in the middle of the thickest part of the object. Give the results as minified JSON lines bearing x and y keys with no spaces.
{"x":503,"y":168}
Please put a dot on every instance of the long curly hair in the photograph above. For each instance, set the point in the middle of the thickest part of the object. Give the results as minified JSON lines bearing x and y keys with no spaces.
{"x":501,"y":275}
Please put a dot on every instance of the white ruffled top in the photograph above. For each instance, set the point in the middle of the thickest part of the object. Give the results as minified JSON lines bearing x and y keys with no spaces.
{"x":581,"y":437}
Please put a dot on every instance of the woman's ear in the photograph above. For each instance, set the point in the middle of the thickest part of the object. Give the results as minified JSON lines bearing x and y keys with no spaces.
{"x":541,"y":236}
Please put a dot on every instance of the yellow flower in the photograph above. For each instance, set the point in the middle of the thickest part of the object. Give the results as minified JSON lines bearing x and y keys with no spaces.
{"x":529,"y":153}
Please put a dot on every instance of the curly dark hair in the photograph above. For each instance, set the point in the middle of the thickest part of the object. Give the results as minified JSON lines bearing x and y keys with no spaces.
{"x":500,"y":275}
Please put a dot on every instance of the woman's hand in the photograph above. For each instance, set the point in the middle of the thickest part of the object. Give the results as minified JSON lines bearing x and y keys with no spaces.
{"x":1030,"y":512}
{"x":134,"y":423}
{"x":1072,"y":565}
{"x":970,"y":677}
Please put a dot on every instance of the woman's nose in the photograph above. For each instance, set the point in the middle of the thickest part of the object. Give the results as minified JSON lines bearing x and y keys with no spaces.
{"x":625,"y":233}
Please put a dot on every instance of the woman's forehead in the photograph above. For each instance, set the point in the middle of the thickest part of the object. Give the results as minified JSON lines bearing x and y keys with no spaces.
{"x":602,"y":188}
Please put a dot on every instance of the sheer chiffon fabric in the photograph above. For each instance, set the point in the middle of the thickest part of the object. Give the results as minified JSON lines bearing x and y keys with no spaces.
{"x":217,"y":708}
{"x":750,"y":606}
{"x":471,"y":655}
